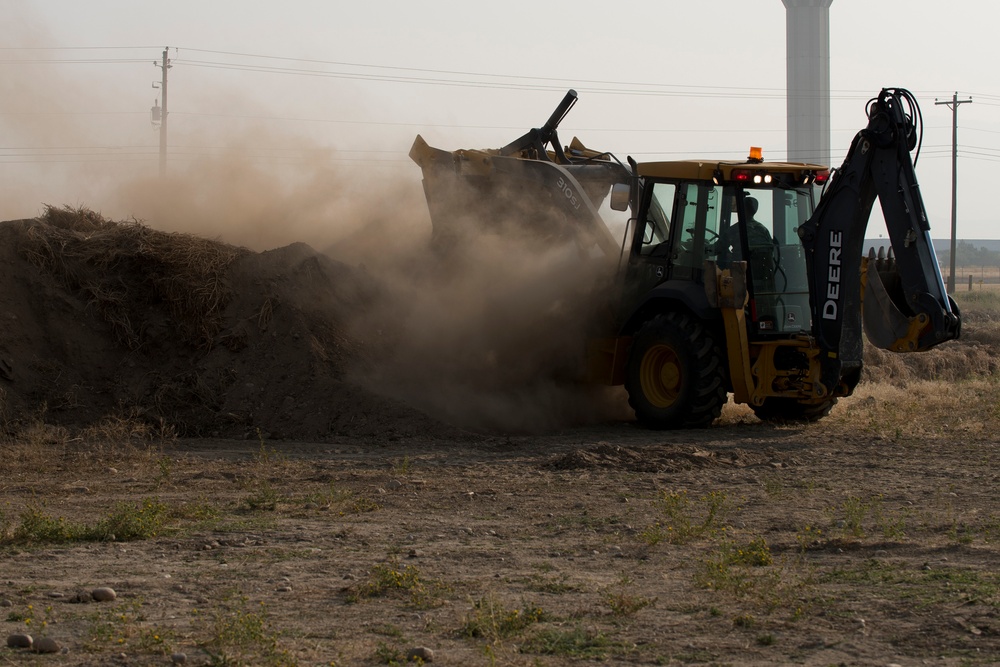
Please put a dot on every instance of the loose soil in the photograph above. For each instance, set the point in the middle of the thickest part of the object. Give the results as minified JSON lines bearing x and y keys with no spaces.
{"x":297,"y":515}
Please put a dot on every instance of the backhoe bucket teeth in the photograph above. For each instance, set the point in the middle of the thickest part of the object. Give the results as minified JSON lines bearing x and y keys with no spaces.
{"x":885,"y":324}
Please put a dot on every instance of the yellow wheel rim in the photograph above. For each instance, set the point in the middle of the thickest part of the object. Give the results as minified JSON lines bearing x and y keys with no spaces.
{"x":660,"y":376}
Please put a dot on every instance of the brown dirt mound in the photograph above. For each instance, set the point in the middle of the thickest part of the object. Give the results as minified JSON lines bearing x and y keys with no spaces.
{"x":101,"y":317}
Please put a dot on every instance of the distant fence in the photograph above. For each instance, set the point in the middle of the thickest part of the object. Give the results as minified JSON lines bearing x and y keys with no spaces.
{"x":969,"y":277}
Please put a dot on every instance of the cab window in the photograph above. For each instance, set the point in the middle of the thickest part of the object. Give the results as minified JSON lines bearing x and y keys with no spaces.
{"x":699,"y":209}
{"x":656,"y":229}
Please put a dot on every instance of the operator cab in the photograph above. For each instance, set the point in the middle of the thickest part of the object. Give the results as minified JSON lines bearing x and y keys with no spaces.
{"x":690,"y":213}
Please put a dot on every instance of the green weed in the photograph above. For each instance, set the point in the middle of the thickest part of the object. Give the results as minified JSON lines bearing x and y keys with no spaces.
{"x":859,"y":515}
{"x":403,"y":466}
{"x":389,"y":655}
{"x":492,"y":621}
{"x":127,"y":522}
{"x":575,"y":642}
{"x":622,"y":602}
{"x":554,"y":585}
{"x":239,"y":633}
{"x":123,"y":626}
{"x":389,"y":580}
{"x":685,"y":518}
{"x":131,"y":521}
{"x":264,"y":499}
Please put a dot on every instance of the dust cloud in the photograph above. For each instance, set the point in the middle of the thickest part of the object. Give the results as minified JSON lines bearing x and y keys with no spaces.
{"x":492,"y":334}
{"x":492,"y":337}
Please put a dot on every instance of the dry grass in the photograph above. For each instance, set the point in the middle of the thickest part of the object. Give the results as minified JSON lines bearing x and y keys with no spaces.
{"x":922,"y":409}
{"x":124,"y":438}
{"x":975,"y":355}
{"x":122,"y":268}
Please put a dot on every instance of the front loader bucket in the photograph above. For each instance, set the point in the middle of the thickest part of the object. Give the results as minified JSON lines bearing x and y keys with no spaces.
{"x":471,"y":192}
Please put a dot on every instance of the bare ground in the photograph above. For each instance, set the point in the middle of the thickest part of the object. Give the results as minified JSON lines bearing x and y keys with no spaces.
{"x":852,"y":541}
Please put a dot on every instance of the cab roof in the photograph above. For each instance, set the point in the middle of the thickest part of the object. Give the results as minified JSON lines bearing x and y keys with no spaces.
{"x":705,"y":170}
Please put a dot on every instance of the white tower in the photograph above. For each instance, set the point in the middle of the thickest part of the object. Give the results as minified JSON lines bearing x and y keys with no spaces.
{"x":807,"y":37}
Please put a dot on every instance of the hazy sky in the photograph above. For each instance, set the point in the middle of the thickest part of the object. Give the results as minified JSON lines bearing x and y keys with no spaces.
{"x":293,"y":87}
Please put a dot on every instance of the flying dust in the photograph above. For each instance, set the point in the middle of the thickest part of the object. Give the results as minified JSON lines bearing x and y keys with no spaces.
{"x":490,"y":337}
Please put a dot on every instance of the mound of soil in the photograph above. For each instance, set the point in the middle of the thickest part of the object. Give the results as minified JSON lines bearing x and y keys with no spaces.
{"x":101,"y":317}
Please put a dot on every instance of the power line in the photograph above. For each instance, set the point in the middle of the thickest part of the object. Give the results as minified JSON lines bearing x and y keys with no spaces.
{"x":72,"y":48}
{"x":70,"y":61}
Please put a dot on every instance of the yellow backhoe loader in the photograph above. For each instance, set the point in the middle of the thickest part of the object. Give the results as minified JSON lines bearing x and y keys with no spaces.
{"x":730,"y":278}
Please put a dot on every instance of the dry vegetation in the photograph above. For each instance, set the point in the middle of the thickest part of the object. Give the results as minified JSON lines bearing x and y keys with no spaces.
{"x":98,"y":259}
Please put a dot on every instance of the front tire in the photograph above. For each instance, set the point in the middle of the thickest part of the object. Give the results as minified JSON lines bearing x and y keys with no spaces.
{"x":675,"y":375}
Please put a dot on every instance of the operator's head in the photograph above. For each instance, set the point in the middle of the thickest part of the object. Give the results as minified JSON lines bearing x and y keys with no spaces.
{"x":752,"y":205}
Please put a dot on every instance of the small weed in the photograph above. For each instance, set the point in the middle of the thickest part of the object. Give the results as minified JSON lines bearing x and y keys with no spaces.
{"x":199,"y":511}
{"x":755,"y":553}
{"x":388,"y":630}
{"x":360,"y":505}
{"x":264,"y":499}
{"x":403,"y":467}
{"x":327,"y":497}
{"x":388,"y":580}
{"x":388,"y":655}
{"x":556,"y":585}
{"x":732,"y":568}
{"x":807,"y":537}
{"x":132,"y":522}
{"x":267,"y":457}
{"x":33,"y":622}
{"x":960,"y":533}
{"x":686,"y":518}
{"x":38,"y":526}
{"x":860,"y":515}
{"x":766,"y":639}
{"x":165,"y":467}
{"x":774,"y":487}
{"x":623,"y":603}
{"x":576,"y":642}
{"x":124,"y":626}
{"x":855,"y":511}
{"x":744,"y":621}
{"x":492,"y":621}
{"x":240,"y":634}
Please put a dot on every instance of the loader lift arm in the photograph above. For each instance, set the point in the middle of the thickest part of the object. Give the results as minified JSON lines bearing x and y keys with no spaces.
{"x":913,"y":313}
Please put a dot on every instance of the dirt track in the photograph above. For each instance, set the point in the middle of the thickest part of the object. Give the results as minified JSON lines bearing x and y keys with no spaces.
{"x":829,"y":544}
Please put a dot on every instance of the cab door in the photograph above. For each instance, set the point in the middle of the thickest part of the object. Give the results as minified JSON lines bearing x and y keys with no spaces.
{"x":651,"y":251}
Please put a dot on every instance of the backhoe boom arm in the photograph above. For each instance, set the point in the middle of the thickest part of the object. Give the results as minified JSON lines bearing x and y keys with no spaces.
{"x":916,"y":309}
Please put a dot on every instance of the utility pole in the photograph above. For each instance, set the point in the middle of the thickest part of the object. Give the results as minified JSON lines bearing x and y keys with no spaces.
{"x":953,"y":105}
{"x":163,"y":65}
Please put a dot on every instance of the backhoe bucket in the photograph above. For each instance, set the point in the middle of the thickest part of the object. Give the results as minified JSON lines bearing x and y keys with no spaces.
{"x":889,"y":322}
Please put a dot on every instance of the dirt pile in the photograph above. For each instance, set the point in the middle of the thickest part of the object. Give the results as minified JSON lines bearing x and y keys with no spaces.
{"x":99,"y":317}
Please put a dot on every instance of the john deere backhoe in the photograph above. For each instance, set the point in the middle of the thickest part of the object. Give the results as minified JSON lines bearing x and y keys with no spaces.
{"x":730,"y":277}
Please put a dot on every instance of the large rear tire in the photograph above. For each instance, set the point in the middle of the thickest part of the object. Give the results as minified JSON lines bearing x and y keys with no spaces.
{"x":675,"y":375}
{"x":780,"y":409}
